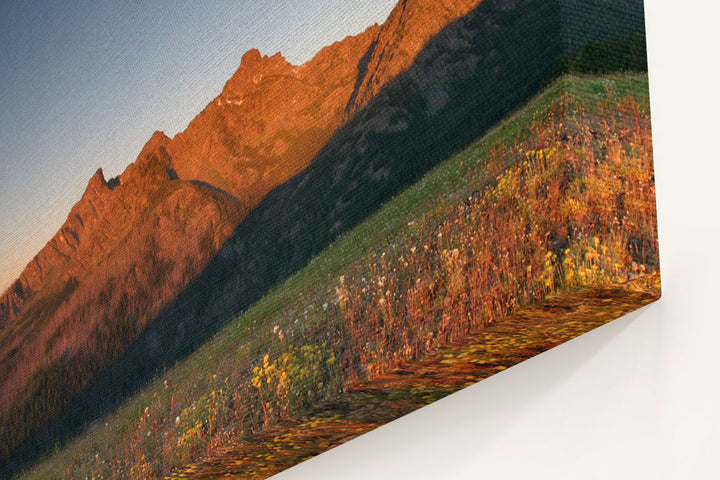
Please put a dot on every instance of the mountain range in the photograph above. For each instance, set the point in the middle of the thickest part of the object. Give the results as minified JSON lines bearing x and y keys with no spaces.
{"x":132,"y":242}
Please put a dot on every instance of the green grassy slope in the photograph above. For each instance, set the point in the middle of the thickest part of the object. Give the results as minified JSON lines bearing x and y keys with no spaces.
{"x":198,"y":401}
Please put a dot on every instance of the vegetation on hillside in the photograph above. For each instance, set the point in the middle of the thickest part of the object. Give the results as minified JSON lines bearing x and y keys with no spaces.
{"x":573,"y":205}
{"x":370,"y":404}
{"x":560,"y":196}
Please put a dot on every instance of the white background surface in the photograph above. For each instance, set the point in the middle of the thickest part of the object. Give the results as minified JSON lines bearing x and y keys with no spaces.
{"x":636,"y":399}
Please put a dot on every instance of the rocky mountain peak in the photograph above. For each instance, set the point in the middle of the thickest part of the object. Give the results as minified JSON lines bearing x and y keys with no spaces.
{"x":152,"y":166}
{"x":254,"y":67}
{"x":157,"y":140}
{"x":97,"y":181}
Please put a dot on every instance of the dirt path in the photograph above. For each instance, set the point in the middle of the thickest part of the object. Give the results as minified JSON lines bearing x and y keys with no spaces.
{"x":530,"y":331}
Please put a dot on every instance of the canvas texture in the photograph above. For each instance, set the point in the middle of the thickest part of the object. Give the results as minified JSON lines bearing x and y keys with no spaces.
{"x":330,"y":246}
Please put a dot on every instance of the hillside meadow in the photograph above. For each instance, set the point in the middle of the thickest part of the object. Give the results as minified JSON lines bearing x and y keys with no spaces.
{"x":558,"y":197}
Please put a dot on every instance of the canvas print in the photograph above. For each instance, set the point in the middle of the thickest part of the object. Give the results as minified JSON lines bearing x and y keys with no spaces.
{"x":418,"y":195}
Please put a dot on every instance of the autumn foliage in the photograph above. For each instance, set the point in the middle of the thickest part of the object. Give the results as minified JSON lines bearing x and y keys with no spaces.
{"x":572,"y":205}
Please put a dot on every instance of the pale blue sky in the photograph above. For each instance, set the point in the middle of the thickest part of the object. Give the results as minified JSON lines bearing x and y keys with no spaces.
{"x":83,"y":84}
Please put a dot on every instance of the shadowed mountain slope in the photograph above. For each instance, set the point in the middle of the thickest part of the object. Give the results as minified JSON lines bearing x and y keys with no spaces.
{"x":267,"y":124}
{"x":408,"y":28}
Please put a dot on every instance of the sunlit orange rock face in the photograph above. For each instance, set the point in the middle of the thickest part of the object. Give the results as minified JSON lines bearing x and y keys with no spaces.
{"x":132,"y":243}
{"x":270,"y":120}
{"x":126,"y":249}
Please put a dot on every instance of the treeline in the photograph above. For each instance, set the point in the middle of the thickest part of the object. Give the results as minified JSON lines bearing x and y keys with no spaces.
{"x":626,"y":54}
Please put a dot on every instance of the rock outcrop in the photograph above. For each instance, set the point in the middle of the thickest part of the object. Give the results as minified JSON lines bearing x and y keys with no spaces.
{"x":270,"y":120}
